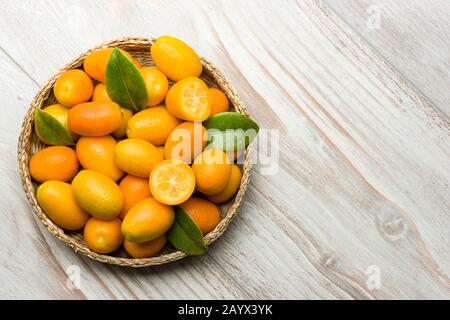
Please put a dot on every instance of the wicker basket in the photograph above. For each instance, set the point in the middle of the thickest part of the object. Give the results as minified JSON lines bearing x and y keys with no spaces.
{"x":29,"y":145}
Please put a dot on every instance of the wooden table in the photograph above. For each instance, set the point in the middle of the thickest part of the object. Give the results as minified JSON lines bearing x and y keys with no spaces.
{"x":359,"y":91}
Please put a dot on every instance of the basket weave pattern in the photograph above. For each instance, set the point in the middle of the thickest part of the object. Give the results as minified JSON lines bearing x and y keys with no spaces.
{"x":29,"y":145}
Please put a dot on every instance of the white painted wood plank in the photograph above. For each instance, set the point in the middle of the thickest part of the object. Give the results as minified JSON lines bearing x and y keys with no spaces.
{"x":413,"y":35}
{"x":364,"y":164}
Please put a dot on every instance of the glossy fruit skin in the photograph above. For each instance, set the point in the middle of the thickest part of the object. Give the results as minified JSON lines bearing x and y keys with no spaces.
{"x":137,"y":157}
{"x":96,"y":62}
{"x":185,"y":142}
{"x":54,"y":163}
{"x":134,"y":189}
{"x":219,"y":101}
{"x":57,"y":201}
{"x":230,"y":189}
{"x":100,"y":94}
{"x":60,"y":113}
{"x":97,"y":194}
{"x":161,"y":150}
{"x":95,"y":119}
{"x":212,"y":171}
{"x":73,"y":87}
{"x":152,"y":124}
{"x":147,"y":220}
{"x":97,"y":153}
{"x":203,"y":212}
{"x":145,"y":249}
{"x":122,"y":131}
{"x":103,"y":236}
{"x":156,"y":83}
{"x":175,"y":58}
{"x":169,"y":176}
{"x":189,"y":100}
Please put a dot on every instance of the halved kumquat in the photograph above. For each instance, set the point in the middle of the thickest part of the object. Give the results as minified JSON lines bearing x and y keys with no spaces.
{"x":172,"y":182}
{"x":189,"y":100}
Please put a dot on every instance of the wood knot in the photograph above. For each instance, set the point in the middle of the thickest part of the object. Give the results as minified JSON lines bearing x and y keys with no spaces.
{"x":393,"y":226}
{"x":329,"y":260}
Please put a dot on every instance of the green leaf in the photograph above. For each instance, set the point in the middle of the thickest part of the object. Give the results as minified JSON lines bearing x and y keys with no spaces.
{"x":124,"y":82}
{"x":230,"y":131}
{"x":51,"y":131}
{"x":185,"y":234}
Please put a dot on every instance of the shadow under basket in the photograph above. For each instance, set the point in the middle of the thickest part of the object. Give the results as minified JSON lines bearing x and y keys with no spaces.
{"x":29,"y":145}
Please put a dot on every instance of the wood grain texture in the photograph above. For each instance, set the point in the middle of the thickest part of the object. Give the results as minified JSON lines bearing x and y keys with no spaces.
{"x":413,"y":35}
{"x":364,"y":166}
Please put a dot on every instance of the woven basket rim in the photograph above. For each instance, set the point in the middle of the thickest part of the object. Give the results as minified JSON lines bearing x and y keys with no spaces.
{"x":24,"y":152}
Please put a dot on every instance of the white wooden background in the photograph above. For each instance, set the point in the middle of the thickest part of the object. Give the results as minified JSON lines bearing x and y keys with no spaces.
{"x":364,"y":147}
